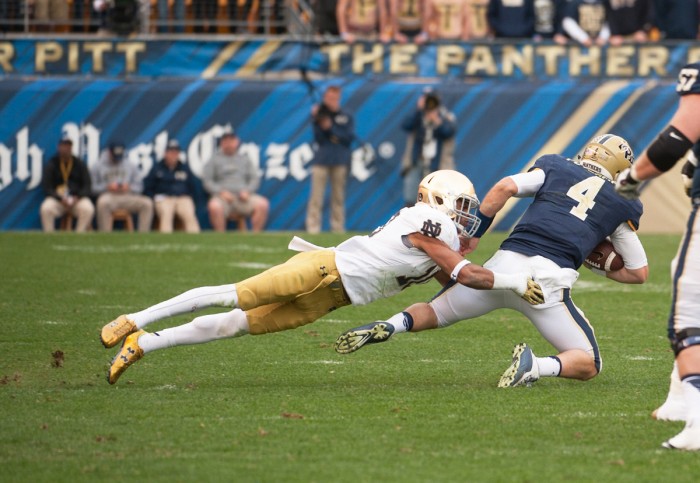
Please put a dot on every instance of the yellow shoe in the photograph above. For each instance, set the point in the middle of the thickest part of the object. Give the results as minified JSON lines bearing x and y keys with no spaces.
{"x":129,"y":353}
{"x":116,"y":330}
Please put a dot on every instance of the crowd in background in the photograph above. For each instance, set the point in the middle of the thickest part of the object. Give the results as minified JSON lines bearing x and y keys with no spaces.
{"x":587,"y":22}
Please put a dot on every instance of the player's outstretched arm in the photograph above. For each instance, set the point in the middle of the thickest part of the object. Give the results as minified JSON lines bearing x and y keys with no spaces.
{"x":476,"y":276}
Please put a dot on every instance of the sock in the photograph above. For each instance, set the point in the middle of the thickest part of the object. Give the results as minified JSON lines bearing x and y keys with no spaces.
{"x":549,"y":366}
{"x":401,"y":322}
{"x":691,"y":392}
{"x":202,"y":329}
{"x":190,"y":301}
{"x":675,"y":390}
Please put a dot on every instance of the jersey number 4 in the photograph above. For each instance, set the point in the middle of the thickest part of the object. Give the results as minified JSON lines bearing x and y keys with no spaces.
{"x":585,"y":192}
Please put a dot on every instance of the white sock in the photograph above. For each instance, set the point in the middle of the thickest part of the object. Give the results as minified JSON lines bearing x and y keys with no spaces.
{"x":675,"y":390}
{"x":549,"y":366}
{"x":401,"y":322}
{"x":202,"y":329}
{"x":190,"y":301}
{"x":691,"y":392}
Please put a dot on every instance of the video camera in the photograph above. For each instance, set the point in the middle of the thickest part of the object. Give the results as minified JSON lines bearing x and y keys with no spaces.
{"x":432,"y":101}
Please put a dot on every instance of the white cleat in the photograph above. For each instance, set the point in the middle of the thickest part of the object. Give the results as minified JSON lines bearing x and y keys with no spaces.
{"x":670,"y":411}
{"x":688,"y":439}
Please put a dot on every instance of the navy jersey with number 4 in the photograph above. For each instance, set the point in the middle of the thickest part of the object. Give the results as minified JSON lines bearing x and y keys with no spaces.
{"x":571,"y":213}
{"x":689,"y":83}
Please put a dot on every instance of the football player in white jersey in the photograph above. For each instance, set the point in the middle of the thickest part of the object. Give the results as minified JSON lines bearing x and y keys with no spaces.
{"x":418,"y":243}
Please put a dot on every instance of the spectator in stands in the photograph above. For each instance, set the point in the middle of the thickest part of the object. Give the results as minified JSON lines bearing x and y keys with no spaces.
{"x":405,"y":19}
{"x":205,"y":15}
{"x":584,"y":21}
{"x":171,"y":185}
{"x":66,"y":181}
{"x":446,"y":19}
{"x":478,"y":23}
{"x":11,"y":15}
{"x":232,"y":179}
{"x":326,"y":17}
{"x":677,"y":19}
{"x":511,"y":18}
{"x":244,"y":15}
{"x":430,"y":142}
{"x":548,"y":18}
{"x":629,"y":20}
{"x":118,"y":184}
{"x":121,"y":17}
{"x":178,"y":18}
{"x":51,"y":15}
{"x":361,"y":20}
{"x":334,"y":132}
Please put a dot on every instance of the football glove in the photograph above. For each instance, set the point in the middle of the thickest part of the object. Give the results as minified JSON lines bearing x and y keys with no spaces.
{"x":533,"y":294}
{"x":688,"y":170}
{"x":626,"y":186}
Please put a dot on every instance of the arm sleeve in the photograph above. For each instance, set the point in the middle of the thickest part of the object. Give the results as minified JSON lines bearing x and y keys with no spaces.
{"x":211,"y":186}
{"x":528,"y":183}
{"x":574,"y":30}
{"x":135,"y":178}
{"x":149,"y":187}
{"x":627,"y":243}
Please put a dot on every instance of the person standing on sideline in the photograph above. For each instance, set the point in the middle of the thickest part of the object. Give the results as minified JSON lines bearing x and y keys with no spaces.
{"x":232,"y":179}
{"x":66,"y":181}
{"x":430,"y":143}
{"x":118,"y":185}
{"x":171,"y":185}
{"x":680,"y":140}
{"x":334,"y":132}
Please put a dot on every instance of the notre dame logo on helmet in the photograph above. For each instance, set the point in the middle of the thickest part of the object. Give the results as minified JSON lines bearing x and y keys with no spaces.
{"x":431,"y":229}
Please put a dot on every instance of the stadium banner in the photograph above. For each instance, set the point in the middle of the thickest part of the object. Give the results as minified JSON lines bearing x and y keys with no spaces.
{"x":502,"y":128}
{"x":274,"y":59}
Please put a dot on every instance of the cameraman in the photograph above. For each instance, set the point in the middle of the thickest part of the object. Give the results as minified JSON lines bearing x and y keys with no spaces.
{"x":430,"y":143}
{"x":333,"y":134}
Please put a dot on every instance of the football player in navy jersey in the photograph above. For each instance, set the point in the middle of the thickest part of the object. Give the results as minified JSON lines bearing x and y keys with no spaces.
{"x":680,"y":140}
{"x":574,"y":208}
{"x":418,"y":243}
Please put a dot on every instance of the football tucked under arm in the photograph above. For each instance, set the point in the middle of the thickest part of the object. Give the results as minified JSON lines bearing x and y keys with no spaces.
{"x":604,"y":258}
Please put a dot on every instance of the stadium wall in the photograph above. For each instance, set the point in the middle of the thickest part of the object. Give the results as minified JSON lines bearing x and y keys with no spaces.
{"x":513,"y":103}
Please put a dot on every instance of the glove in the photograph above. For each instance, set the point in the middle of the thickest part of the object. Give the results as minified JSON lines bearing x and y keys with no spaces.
{"x":533,"y":294}
{"x":626,"y":186}
{"x":688,"y":170}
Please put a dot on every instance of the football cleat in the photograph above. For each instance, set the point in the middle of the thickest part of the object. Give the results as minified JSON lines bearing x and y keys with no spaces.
{"x":115,"y":331}
{"x":670,"y":411}
{"x":129,"y":353}
{"x":355,"y":338}
{"x":688,"y":439}
{"x":523,"y":370}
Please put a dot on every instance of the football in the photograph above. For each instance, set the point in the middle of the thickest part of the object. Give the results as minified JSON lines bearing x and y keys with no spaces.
{"x":604,"y":257}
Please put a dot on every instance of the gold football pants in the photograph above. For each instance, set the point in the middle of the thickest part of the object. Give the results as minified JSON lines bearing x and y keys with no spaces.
{"x":303,"y":289}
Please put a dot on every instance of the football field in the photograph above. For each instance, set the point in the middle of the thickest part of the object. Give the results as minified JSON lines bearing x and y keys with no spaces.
{"x":285,"y":407}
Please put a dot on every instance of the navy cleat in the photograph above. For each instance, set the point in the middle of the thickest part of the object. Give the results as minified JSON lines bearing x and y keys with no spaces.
{"x":355,"y":338}
{"x":523,"y":370}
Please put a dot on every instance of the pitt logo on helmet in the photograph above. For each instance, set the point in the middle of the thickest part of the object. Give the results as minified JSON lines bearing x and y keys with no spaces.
{"x":607,"y":155}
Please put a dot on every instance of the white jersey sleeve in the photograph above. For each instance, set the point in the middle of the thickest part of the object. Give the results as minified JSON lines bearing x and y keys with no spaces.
{"x":384,"y":263}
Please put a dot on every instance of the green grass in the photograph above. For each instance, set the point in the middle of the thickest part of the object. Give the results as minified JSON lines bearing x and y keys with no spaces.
{"x":286,"y":407}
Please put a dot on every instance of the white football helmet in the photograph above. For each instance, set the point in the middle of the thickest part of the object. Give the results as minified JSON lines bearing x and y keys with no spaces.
{"x":607,"y":155}
{"x":452,"y":193}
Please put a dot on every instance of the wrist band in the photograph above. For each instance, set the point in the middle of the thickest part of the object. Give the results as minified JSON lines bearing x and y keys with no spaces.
{"x":484,"y":225}
{"x":455,"y":272}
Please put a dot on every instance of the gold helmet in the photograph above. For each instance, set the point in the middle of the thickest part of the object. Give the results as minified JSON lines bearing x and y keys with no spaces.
{"x":607,"y":155}
{"x":452,"y":193}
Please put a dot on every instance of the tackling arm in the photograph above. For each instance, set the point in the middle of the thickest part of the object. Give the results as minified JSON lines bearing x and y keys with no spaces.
{"x":476,"y":276}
